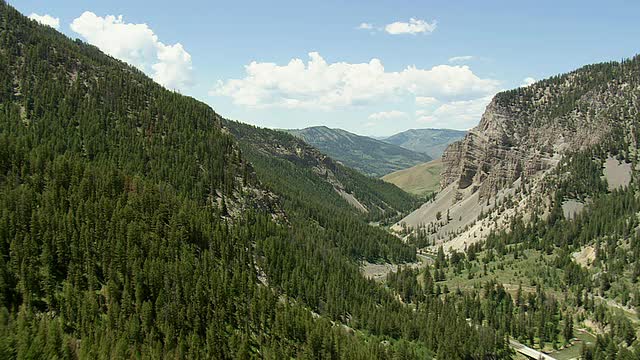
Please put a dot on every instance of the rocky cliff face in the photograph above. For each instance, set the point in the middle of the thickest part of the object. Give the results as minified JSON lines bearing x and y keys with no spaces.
{"x":527,"y":130}
{"x":523,"y":134}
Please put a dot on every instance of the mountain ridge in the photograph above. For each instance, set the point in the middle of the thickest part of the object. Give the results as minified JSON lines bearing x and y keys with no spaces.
{"x":133,"y":225}
{"x":369,"y":156}
{"x":138,"y":223}
{"x":422,"y":179}
{"x":522,"y":137}
{"x":432,"y":142}
{"x":360,"y":191}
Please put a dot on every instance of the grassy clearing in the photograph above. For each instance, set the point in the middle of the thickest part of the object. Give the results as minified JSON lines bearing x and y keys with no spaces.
{"x":573,"y":351}
{"x":421,"y":179}
{"x":527,"y":270}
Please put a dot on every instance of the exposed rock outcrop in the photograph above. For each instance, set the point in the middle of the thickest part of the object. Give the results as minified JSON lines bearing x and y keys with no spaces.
{"x":521,"y":137}
{"x":505,"y":146}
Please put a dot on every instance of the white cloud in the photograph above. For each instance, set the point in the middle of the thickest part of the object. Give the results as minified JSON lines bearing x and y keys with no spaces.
{"x":457,"y":59}
{"x":174,"y":67}
{"x":426,"y":119}
{"x":527,"y":81}
{"x":365,"y":26}
{"x":462,"y":114}
{"x":321,"y":85}
{"x":169,"y":65}
{"x":383,"y":115}
{"x":414,"y":26}
{"x":426,"y":100}
{"x":46,"y":19}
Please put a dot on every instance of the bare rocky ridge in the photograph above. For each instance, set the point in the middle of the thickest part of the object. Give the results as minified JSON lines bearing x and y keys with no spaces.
{"x":498,"y":170}
{"x":432,"y":142}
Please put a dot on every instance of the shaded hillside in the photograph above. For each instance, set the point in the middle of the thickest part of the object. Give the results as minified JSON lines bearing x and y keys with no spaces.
{"x":432,"y":142}
{"x":422,"y":179}
{"x":132,"y":226}
{"x":369,"y":156}
{"x":334,"y":183}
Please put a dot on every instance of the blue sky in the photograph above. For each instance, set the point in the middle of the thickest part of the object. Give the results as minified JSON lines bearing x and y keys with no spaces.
{"x":414,"y":64}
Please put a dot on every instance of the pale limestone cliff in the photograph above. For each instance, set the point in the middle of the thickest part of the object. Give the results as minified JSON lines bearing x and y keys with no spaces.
{"x":501,"y":168}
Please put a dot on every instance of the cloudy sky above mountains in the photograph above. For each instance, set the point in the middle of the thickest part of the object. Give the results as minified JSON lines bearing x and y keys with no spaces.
{"x":373,"y":68}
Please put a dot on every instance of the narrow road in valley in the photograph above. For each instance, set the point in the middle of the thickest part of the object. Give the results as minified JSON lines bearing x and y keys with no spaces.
{"x":529,"y":352}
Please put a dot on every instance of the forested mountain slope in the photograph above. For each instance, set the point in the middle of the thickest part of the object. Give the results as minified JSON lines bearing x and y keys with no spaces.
{"x":375,"y":198}
{"x":369,"y":156}
{"x":539,"y":206}
{"x":133,"y":225}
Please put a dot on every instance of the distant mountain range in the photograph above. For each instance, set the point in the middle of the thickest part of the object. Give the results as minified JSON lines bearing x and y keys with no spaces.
{"x":367,"y":155}
{"x":428,"y":141}
{"x":379,"y":156}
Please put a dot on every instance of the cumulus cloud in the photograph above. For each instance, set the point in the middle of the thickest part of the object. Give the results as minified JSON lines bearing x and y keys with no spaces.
{"x":426,"y":100}
{"x":461,"y":114}
{"x":365,"y":26}
{"x":414,"y":26}
{"x":458,"y":59}
{"x":527,"y":81}
{"x":321,"y":85}
{"x":174,"y":67}
{"x":169,"y":65}
{"x":383,"y":115}
{"x":46,"y":19}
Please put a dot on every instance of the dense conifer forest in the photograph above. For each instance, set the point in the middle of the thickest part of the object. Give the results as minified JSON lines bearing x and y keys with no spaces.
{"x":136,"y":222}
{"x":555,"y":291}
{"x":133,"y":224}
